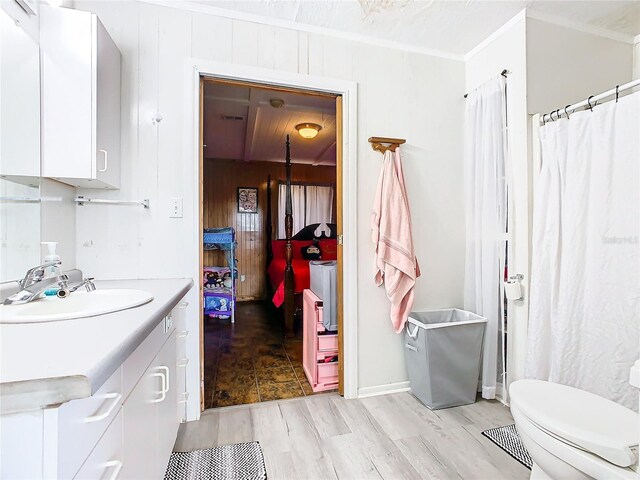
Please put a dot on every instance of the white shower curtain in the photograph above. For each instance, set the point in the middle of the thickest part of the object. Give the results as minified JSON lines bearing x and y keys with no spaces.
{"x":486,"y":212}
{"x":585,"y":291}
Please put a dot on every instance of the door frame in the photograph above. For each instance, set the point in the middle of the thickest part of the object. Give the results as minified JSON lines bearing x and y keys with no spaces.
{"x":347,"y":90}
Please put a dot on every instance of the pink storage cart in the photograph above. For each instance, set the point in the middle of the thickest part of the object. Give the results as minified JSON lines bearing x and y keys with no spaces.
{"x":320,"y":347}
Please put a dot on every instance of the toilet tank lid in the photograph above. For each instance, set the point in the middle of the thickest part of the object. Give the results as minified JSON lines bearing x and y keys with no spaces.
{"x":586,"y":420}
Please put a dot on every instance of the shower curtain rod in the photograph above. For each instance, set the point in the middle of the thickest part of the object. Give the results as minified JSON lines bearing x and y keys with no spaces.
{"x":504,"y":73}
{"x":589,"y":102}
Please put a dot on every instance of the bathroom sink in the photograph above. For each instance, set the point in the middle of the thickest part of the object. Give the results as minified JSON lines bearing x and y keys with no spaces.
{"x":78,"y":305}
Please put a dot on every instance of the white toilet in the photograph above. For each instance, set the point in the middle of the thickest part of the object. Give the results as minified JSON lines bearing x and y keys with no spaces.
{"x":573,"y":434}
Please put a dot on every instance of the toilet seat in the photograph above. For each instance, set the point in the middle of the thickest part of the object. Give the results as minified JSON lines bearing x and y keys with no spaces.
{"x":560,"y":460}
{"x":579,"y":419}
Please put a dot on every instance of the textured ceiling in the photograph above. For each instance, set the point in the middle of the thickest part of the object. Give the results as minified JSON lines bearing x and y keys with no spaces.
{"x":240,"y":124}
{"x":449,"y":26}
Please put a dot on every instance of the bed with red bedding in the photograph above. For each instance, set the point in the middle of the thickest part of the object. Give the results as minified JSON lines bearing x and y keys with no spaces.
{"x":287,"y":271}
{"x":275,"y":270}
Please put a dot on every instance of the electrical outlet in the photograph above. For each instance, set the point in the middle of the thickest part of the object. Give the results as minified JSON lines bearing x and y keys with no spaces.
{"x":175,"y":207}
{"x":243,"y":278}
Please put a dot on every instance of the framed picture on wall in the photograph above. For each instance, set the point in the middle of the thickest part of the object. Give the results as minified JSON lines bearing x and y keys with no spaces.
{"x":247,"y":200}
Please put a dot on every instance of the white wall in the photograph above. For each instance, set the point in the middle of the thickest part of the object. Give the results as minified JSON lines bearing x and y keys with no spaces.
{"x":399,"y":94}
{"x":58,"y":219}
{"x":566,"y":66}
{"x":507,"y":49}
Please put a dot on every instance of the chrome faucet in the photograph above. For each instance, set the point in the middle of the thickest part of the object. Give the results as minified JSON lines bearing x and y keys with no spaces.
{"x":36,"y":274}
{"x":35,"y":289}
{"x":34,"y":284}
{"x":87,"y":283}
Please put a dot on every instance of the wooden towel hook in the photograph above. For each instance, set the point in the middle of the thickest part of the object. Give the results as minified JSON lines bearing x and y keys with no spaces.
{"x":378,"y":143}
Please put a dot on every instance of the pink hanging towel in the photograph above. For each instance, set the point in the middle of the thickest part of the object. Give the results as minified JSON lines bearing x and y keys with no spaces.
{"x":396,"y":264}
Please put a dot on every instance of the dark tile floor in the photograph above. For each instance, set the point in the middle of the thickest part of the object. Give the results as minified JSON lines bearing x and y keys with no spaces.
{"x":250,"y":361}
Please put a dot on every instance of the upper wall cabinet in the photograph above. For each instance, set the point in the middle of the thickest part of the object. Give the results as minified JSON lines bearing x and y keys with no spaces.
{"x":80,"y":99}
{"x":19,"y":102}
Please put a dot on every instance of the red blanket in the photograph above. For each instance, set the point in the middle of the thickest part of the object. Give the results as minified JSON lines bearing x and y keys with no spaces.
{"x":301,"y":280}
{"x":276,"y":275}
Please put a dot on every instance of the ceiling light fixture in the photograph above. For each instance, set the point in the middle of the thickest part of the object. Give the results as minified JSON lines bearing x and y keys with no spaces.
{"x":308,"y":130}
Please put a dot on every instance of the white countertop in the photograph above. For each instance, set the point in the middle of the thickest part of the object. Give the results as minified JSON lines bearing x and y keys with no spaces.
{"x":43,"y":364}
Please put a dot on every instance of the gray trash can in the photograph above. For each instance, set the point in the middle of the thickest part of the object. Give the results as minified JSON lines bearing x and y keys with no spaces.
{"x":442,"y":352}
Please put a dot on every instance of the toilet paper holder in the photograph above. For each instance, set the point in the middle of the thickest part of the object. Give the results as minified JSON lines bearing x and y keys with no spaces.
{"x":513,"y":287}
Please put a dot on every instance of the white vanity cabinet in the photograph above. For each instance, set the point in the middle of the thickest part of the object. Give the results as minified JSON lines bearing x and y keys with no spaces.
{"x":179,"y":317}
{"x":150,"y":423}
{"x":80,"y":72}
{"x":125,"y":430}
{"x":106,"y":459}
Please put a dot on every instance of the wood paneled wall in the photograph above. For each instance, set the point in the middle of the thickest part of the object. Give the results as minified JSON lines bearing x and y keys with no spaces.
{"x":221,"y":181}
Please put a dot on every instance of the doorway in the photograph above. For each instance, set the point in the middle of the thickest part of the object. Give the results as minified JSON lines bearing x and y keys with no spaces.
{"x":244,"y":356}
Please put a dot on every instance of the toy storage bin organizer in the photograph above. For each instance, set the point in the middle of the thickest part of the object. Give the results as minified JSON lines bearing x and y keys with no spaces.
{"x":220,"y":298}
{"x":319,"y":347}
{"x":442,"y":352}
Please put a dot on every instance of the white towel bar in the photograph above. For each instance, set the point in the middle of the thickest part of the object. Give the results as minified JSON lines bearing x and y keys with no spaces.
{"x":80,"y":200}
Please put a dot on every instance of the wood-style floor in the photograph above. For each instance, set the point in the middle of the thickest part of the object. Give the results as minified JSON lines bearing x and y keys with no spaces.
{"x":390,"y":436}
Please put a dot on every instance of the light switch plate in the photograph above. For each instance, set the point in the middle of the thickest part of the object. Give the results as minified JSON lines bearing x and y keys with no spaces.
{"x":175,"y":207}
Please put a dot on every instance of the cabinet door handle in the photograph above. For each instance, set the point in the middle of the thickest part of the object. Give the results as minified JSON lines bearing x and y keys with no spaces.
{"x":163,"y":392}
{"x":183,"y":333}
{"x":106,"y":161}
{"x":183,"y":362}
{"x":101,"y":416}
{"x":116,"y":471}
{"x":166,"y":369}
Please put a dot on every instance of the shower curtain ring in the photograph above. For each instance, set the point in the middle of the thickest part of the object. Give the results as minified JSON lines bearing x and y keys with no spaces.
{"x":566,"y":112}
{"x":617,"y":92}
{"x":544,"y":122}
{"x":589,"y":103}
{"x":558,"y":114}
{"x":551,"y":116}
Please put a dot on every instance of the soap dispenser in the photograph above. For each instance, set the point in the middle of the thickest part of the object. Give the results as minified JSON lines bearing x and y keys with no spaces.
{"x":51,"y":257}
